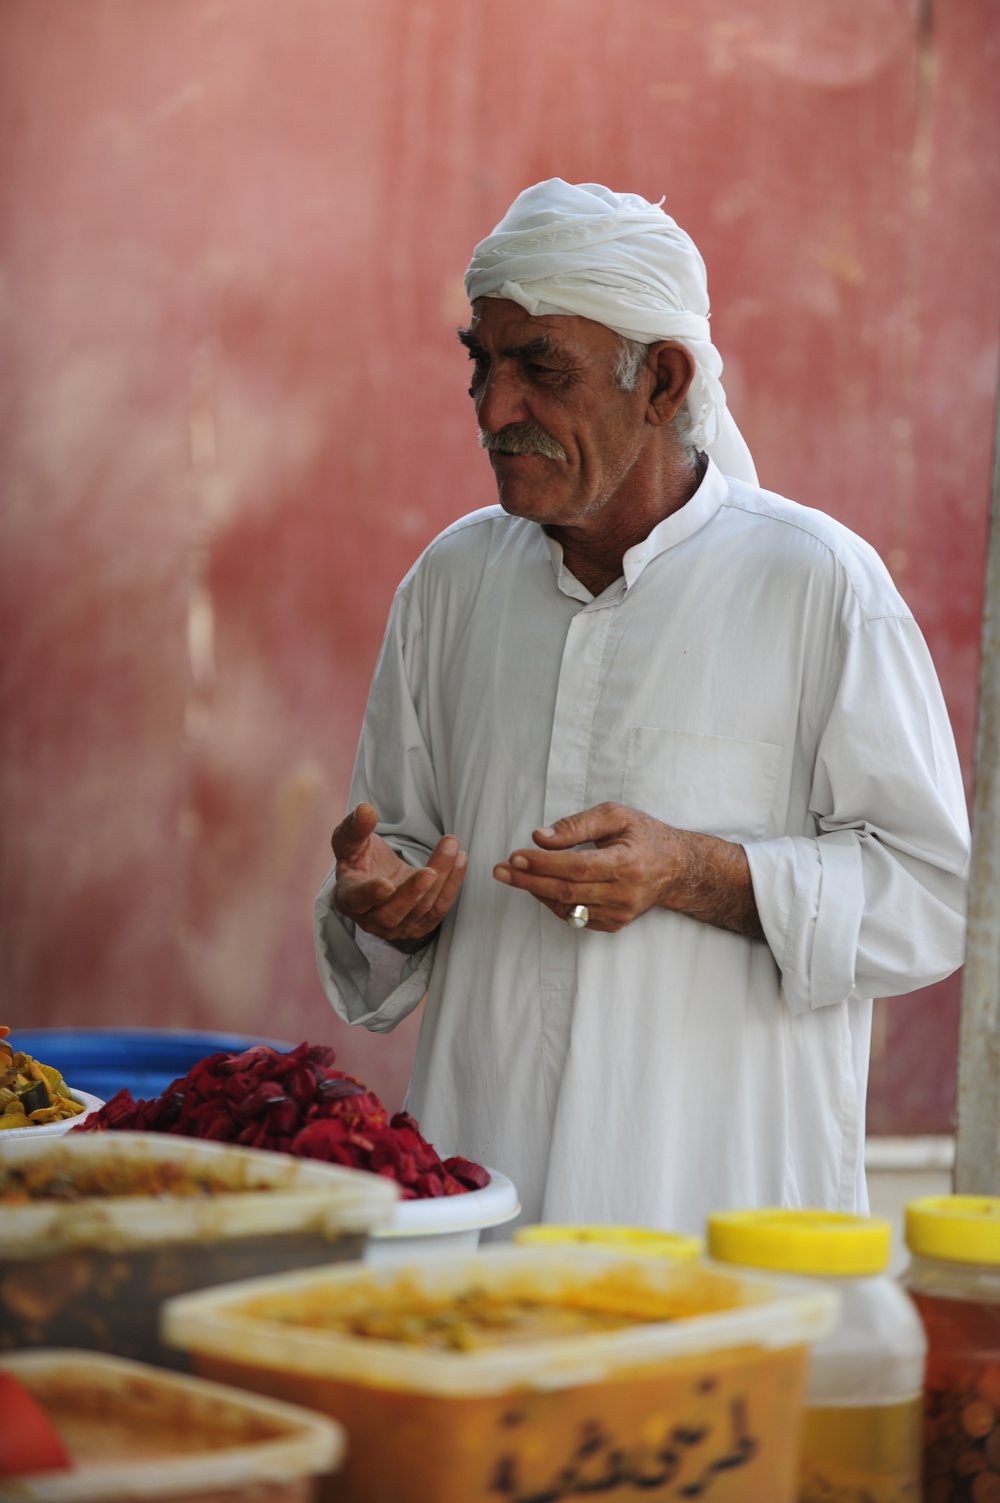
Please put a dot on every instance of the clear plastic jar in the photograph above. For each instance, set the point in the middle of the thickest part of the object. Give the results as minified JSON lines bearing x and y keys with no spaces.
{"x":861,"y":1430}
{"x":954,"y":1278}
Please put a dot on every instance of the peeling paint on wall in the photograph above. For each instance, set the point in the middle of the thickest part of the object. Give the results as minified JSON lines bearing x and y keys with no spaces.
{"x":232,"y":411}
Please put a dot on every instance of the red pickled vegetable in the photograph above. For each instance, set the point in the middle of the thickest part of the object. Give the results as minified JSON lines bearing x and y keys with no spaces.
{"x":472,"y":1176}
{"x":28,"y":1439}
{"x":293,"y":1103}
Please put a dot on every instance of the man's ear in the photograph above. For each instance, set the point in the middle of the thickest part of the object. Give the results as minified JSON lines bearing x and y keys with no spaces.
{"x":672,"y":366}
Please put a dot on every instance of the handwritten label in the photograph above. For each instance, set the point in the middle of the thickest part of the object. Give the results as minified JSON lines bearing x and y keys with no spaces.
{"x":686,"y":1461}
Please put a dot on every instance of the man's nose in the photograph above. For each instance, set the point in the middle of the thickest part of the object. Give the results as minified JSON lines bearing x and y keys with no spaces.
{"x":500,"y":401}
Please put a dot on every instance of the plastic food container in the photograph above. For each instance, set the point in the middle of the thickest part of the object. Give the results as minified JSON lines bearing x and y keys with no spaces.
{"x":135,"y":1432}
{"x":93,"y":1272}
{"x":633,"y":1241}
{"x":954,"y":1278}
{"x":444,"y":1224}
{"x":861,"y":1436}
{"x":706,"y":1401}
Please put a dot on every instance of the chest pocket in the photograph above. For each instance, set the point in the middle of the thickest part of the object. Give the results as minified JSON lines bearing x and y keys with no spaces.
{"x":715,"y":784}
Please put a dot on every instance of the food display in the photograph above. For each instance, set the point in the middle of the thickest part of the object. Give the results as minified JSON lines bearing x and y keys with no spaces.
{"x":98,"y":1429}
{"x":474,"y":1320}
{"x":639,"y":1377}
{"x":31,"y":1094}
{"x":294,"y":1103}
{"x":861,"y":1453}
{"x":29,"y":1442}
{"x":59,"y":1179}
{"x":861,"y":1432}
{"x":954,"y":1279}
{"x":96,"y":1231}
{"x":961,"y":1415}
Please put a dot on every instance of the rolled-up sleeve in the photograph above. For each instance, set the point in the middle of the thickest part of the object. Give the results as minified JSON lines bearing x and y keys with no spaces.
{"x":873,"y":904}
{"x":366,"y":980}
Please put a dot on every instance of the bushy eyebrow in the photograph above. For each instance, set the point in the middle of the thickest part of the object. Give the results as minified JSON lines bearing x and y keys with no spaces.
{"x":530,"y":350}
{"x":466,"y":337}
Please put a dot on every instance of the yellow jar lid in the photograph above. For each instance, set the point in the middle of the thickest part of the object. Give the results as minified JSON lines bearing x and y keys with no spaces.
{"x":634,"y":1241}
{"x":957,"y":1228}
{"x":812,"y":1242}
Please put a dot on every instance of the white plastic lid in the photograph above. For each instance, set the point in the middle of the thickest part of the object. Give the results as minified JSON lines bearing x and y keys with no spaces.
{"x":264,"y":1322}
{"x":303,"y":1195}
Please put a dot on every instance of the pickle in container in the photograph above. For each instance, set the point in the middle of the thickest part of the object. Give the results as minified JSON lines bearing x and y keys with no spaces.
{"x":31,"y":1094}
{"x":96,"y":1230}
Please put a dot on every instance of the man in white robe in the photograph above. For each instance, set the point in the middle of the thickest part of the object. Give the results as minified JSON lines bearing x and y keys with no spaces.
{"x":656,"y":787}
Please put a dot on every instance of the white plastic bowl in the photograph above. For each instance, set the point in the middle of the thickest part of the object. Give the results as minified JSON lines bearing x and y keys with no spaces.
{"x":445,"y":1224}
{"x":54,"y":1129}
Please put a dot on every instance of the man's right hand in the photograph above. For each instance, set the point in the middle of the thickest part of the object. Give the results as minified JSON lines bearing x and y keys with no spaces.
{"x":383,"y":894}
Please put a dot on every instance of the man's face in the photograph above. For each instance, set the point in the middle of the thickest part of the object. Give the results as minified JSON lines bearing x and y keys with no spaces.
{"x":548,"y":383}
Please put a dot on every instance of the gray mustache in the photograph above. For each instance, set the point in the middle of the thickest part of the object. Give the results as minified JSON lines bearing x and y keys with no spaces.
{"x":522,"y":438}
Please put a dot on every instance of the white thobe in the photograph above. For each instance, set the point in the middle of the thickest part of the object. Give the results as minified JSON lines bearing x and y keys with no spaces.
{"x":754,"y":675}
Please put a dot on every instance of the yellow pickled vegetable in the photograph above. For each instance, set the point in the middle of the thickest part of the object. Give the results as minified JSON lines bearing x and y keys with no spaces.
{"x":31,"y":1094}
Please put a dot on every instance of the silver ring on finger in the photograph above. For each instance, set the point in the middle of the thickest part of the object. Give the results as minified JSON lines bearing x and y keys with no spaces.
{"x":578,"y":917}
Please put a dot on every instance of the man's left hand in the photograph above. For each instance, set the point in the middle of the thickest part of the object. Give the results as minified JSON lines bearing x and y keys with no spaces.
{"x":638,"y":863}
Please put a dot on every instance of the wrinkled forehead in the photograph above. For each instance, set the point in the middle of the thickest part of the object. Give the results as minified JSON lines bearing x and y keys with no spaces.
{"x":503,"y":326}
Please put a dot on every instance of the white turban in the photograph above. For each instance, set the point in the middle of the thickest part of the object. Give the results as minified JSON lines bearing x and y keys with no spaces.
{"x":621,"y":261}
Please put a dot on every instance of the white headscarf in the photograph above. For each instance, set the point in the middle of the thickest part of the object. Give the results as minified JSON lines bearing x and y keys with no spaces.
{"x":621,"y":261}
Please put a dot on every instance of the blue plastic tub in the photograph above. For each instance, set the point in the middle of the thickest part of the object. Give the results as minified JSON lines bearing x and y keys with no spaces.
{"x":146,"y":1060}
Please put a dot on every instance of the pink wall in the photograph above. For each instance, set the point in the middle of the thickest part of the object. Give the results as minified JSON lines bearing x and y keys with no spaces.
{"x":232,"y":240}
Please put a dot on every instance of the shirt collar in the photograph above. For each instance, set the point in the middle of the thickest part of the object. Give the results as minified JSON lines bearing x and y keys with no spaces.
{"x":681,"y":524}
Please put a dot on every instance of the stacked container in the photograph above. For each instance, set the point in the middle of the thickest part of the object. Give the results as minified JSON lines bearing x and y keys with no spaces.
{"x":954,"y":1277}
{"x":133,"y":1432}
{"x":861,"y":1433}
{"x":697,"y":1394}
{"x":92,"y":1272}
